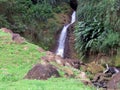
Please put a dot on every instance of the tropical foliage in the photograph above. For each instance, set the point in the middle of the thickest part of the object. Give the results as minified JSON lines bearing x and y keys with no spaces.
{"x":25,"y":16}
{"x":98,"y":27}
{"x":92,"y":37}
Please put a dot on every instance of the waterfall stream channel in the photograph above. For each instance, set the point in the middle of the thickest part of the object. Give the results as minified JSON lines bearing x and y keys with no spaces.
{"x":63,"y":35}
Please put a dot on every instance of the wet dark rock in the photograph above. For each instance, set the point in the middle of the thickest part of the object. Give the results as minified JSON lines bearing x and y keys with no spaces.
{"x":73,"y":4}
{"x":114,"y":82}
{"x":40,"y":71}
{"x":70,"y":51}
{"x":100,"y":80}
{"x":112,"y":70}
{"x":108,"y":79}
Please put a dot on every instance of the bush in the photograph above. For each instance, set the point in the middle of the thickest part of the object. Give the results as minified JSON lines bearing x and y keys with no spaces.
{"x":51,"y":2}
{"x":93,"y":37}
{"x":106,"y":10}
{"x":99,"y":26}
{"x":111,"y":42}
{"x":29,"y":19}
{"x":4,"y":22}
{"x":41,"y":11}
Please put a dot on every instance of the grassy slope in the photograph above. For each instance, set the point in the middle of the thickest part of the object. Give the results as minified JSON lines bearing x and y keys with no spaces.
{"x":17,"y":59}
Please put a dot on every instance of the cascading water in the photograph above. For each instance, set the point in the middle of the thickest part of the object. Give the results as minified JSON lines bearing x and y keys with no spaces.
{"x":61,"y":46}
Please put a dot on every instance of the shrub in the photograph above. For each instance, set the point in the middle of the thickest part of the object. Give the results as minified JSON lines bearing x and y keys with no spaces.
{"x":29,"y":19}
{"x":4,"y":22}
{"x":106,"y":10}
{"x":41,"y":11}
{"x":93,"y":37}
{"x":111,"y":42}
{"x":99,"y":26}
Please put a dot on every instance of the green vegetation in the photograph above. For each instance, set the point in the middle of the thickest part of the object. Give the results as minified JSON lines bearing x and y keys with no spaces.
{"x":50,"y":84}
{"x":17,"y":59}
{"x":98,"y":28}
{"x":92,"y":37}
{"x":36,"y":22}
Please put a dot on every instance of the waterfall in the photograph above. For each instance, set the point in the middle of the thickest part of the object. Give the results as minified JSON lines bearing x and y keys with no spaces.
{"x":62,"y":38}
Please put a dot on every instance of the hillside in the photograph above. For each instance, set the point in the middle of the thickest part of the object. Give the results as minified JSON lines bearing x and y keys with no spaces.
{"x":90,"y":50}
{"x":17,"y":59}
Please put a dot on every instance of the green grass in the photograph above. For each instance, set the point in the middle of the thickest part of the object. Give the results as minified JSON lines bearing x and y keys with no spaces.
{"x":17,"y":59}
{"x":51,"y":84}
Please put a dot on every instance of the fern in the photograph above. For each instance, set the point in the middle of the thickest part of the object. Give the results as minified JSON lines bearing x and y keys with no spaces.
{"x":93,"y":37}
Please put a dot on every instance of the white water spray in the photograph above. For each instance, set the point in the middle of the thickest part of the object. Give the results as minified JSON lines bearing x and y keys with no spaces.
{"x":61,"y":46}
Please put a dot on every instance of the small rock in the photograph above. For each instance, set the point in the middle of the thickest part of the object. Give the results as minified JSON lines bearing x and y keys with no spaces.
{"x":6,"y":30}
{"x":25,"y":48}
{"x":40,"y":49}
{"x":17,"y":38}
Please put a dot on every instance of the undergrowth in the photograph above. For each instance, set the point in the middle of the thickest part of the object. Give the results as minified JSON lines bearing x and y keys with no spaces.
{"x":98,"y":27}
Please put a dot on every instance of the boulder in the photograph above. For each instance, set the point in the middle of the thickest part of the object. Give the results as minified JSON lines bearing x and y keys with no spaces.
{"x":114,"y":82}
{"x":100,"y":80}
{"x":73,"y":4}
{"x":40,"y":71}
{"x":108,"y":79}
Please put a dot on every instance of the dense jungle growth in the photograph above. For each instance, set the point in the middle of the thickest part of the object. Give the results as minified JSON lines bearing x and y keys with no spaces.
{"x":98,"y":27}
{"x":37,"y":20}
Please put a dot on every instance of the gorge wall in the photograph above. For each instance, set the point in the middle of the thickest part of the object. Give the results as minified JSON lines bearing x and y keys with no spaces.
{"x":74,"y":4}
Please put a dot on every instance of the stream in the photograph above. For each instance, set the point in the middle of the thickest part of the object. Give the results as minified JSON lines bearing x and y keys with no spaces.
{"x":62,"y":38}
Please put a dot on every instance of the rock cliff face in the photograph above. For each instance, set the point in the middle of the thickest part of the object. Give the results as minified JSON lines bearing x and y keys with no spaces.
{"x":73,"y":4}
{"x":70,"y":51}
